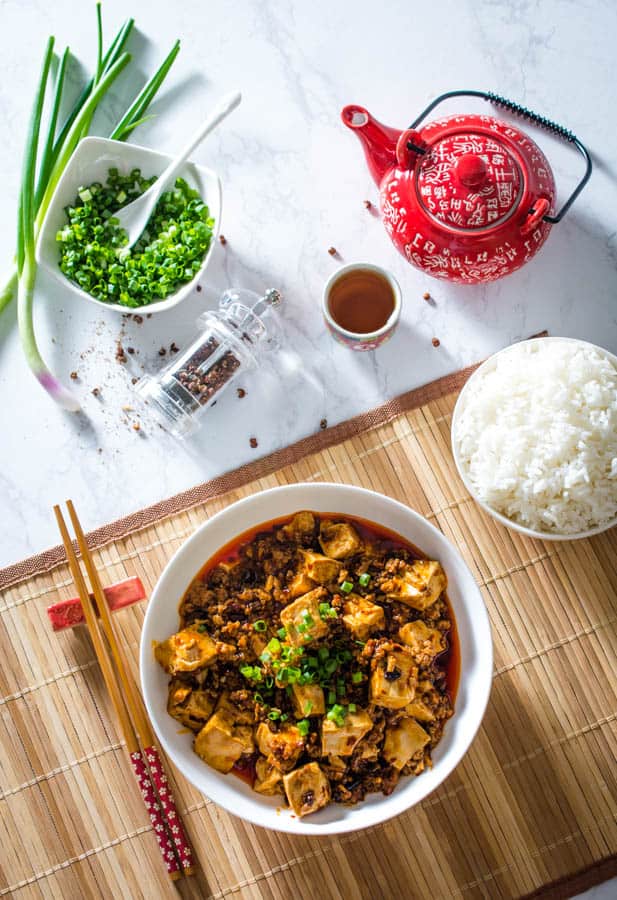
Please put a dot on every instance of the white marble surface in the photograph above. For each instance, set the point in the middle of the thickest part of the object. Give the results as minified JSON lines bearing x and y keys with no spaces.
{"x":294,"y":183}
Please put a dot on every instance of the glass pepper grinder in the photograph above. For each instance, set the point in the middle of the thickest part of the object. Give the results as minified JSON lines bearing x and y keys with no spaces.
{"x":229,"y":342}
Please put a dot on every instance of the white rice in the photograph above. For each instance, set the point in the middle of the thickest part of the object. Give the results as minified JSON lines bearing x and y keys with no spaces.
{"x":537,"y":436}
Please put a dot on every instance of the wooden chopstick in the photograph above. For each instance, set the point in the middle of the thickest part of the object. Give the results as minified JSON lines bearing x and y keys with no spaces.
{"x":133,"y":702}
{"x":147,"y":789}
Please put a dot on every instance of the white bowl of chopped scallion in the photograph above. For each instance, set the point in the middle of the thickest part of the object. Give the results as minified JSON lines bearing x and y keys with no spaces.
{"x":81,"y":246}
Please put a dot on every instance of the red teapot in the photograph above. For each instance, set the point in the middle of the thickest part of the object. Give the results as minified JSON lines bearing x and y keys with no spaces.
{"x":468,"y":198}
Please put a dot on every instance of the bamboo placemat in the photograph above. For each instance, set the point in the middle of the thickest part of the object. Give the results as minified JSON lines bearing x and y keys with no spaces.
{"x":533,"y":804}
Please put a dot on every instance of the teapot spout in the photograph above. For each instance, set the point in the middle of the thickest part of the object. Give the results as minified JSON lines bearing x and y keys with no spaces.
{"x":379,"y":141}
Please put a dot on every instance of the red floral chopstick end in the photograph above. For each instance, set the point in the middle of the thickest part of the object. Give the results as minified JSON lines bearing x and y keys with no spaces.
{"x":183,"y":848}
{"x":156,"y":816}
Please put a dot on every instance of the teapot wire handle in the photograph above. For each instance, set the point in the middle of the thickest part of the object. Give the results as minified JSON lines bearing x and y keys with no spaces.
{"x":518,"y":110}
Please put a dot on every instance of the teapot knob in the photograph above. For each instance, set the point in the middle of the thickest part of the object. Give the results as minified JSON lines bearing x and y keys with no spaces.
{"x":471,"y":170}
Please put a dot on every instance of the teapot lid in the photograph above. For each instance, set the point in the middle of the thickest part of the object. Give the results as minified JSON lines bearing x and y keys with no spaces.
{"x":469,"y":181}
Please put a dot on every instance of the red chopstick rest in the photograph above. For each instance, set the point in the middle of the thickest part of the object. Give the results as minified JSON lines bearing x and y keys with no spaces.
{"x":69,"y":613}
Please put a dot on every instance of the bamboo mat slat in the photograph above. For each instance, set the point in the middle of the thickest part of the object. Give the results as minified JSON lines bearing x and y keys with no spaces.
{"x":533,"y":804}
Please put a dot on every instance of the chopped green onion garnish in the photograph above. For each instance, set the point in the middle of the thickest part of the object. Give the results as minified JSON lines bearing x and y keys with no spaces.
{"x":282,"y":633}
{"x":260,"y":625}
{"x":323,"y":653}
{"x":352,"y":707}
{"x":284,"y":717}
{"x":331,"y":697}
{"x":258,"y":698}
{"x":273,"y":646}
{"x":308,"y":707}
{"x":303,"y":727}
{"x":253,"y":673}
{"x":356,"y":677}
{"x":274,"y":714}
{"x":265,"y":656}
{"x":364,"y":579}
{"x":302,"y":627}
{"x":347,"y":587}
{"x":337,"y":715}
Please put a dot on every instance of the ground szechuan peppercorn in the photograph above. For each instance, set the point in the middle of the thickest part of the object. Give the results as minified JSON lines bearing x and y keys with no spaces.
{"x":134,"y":380}
{"x":368,"y":204}
{"x":222,"y":239}
{"x":163,"y":351}
{"x":173,"y":348}
{"x":198,"y":288}
{"x":96,"y":392}
{"x":426,"y":295}
{"x":253,"y":442}
{"x":139,"y":319}
{"x":332,"y":251}
{"x":74,"y":376}
{"x":323,"y":424}
{"x":120,"y":355}
{"x":436,"y":342}
{"x":203,"y":383}
{"x":241,"y":393}
{"x":130,"y":350}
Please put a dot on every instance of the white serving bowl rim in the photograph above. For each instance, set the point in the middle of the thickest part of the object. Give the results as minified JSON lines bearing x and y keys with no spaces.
{"x":92,"y":151}
{"x":499,"y":517}
{"x":473,"y":627}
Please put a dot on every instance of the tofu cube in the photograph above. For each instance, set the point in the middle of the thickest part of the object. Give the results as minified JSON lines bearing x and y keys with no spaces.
{"x":403,"y":741}
{"x":281,"y":748}
{"x":269,"y":779}
{"x":418,"y":709}
{"x":307,"y":789}
{"x":190,"y":707}
{"x":393,"y":681}
{"x":308,"y":700}
{"x":361,"y":616}
{"x":425,"y":643}
{"x":339,"y":540}
{"x":220,"y":743}
{"x":300,"y":584}
{"x":341,"y":740}
{"x":302,"y":620}
{"x":185,"y":651}
{"x":302,"y":525}
{"x":320,"y":569}
{"x":237,"y":715}
{"x":419,"y":584}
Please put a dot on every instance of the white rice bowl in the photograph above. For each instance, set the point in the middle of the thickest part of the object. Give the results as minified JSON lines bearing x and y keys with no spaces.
{"x":535,"y":436}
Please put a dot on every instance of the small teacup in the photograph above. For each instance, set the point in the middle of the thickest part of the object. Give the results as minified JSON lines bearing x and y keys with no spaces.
{"x":361,"y":305}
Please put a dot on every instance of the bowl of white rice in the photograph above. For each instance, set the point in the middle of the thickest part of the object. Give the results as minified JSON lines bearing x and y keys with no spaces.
{"x":534,"y":437}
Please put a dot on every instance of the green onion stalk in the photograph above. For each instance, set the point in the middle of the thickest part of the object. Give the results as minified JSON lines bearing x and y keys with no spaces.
{"x":36,"y":193}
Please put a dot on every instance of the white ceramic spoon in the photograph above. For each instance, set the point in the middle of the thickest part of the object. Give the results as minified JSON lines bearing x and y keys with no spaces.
{"x":135,"y":215}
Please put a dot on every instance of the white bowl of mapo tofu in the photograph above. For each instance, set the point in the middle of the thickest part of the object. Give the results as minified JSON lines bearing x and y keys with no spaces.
{"x":316,"y":658}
